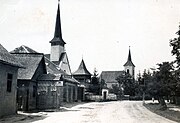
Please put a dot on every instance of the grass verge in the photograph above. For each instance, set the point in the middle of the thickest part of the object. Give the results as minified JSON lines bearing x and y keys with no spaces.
{"x":169,"y":113}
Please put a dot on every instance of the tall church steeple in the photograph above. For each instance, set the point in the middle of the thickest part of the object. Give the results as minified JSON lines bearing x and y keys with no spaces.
{"x":57,"y":43}
{"x":129,"y":66}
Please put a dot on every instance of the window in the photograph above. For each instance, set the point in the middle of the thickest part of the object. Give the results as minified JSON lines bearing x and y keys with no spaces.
{"x":9,"y":82}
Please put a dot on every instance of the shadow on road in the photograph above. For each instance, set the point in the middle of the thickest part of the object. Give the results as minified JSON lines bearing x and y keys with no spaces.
{"x":22,"y":118}
{"x":35,"y":115}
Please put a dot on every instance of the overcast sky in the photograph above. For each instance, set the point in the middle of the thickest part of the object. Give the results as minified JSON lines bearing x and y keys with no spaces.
{"x":100,"y":31}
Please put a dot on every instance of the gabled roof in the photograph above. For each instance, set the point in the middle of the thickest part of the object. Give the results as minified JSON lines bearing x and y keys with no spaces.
{"x":110,"y":76}
{"x":58,"y":33}
{"x":31,"y":61}
{"x":82,"y":70}
{"x":129,"y":60}
{"x":23,"y":49}
{"x":7,"y":58}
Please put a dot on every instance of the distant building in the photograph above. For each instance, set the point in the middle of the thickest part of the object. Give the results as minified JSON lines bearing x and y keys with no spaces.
{"x":109,"y":77}
{"x":129,"y":67}
{"x":9,"y":66}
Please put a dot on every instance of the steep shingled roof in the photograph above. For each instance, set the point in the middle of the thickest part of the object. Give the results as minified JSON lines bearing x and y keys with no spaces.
{"x":23,"y":49}
{"x":82,"y":70}
{"x":110,"y":76}
{"x":31,"y":62}
{"x":7,"y":58}
{"x":50,"y":66}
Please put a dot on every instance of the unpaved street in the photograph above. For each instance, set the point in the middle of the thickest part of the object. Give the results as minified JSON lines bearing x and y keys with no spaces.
{"x":105,"y":112}
{"x":95,"y":112}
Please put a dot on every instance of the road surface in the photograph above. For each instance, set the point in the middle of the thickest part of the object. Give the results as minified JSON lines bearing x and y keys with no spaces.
{"x":106,"y":112}
{"x":95,"y":112}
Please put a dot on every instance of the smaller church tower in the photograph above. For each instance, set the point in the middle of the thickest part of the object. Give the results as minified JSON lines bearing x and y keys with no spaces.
{"x":82,"y":74}
{"x":129,"y":66}
{"x":57,"y":43}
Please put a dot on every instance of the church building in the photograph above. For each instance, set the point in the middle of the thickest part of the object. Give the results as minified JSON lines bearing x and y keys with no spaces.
{"x":109,"y":77}
{"x":58,"y":55}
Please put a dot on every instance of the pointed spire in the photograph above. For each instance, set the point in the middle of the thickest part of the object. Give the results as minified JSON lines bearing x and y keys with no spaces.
{"x":58,"y":32}
{"x":129,"y":60}
{"x":129,"y":56}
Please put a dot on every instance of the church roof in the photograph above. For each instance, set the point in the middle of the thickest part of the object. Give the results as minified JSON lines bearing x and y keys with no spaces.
{"x":110,"y":76}
{"x":129,"y":60}
{"x":7,"y":58}
{"x":82,"y":70}
{"x":58,"y":33}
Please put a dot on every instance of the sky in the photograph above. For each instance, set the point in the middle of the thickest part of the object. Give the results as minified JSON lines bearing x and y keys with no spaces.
{"x":99,"y":31}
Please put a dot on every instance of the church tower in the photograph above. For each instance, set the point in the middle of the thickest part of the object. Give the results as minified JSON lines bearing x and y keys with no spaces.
{"x":57,"y":43}
{"x":129,"y":66}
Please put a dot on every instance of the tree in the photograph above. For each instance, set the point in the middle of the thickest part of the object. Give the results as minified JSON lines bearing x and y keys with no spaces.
{"x":95,"y":79}
{"x":175,"y":44}
{"x":126,"y":82}
{"x":95,"y":85}
{"x":164,"y":79}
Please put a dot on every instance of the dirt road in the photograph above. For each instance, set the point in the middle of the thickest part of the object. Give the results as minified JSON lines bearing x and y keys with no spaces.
{"x":106,"y":112}
{"x":95,"y":112}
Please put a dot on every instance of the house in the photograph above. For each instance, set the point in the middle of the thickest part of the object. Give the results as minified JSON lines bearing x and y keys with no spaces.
{"x":28,"y":79}
{"x":9,"y":66}
{"x":50,"y":91}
